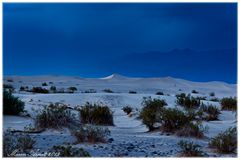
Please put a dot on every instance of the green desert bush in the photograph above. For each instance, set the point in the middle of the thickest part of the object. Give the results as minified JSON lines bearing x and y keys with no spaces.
{"x":225,"y":142}
{"x":72,"y":89}
{"x":154,"y":103}
{"x":8,"y":86}
{"x":189,"y":149}
{"x":182,"y":95}
{"x":69,"y":151}
{"x":173,"y":119}
{"x":44,"y":84}
{"x":127,"y":109}
{"x":192,"y":130}
{"x":195,"y":114}
{"x":150,"y":112}
{"x":9,"y":80}
{"x":194,"y":91}
{"x":201,"y":98}
{"x":108,"y":91}
{"x":212,"y":112}
{"x":54,"y":116}
{"x":53,"y":89}
{"x":12,"y":105}
{"x":159,"y":93}
{"x":91,"y":134}
{"x":23,"y":88}
{"x":188,"y":101}
{"x":212,"y":94}
{"x":229,"y":104}
{"x":39,"y":90}
{"x":96,"y":114}
{"x":132,"y":92}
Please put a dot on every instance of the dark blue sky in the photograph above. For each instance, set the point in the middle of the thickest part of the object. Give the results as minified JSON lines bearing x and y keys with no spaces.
{"x":186,"y":40}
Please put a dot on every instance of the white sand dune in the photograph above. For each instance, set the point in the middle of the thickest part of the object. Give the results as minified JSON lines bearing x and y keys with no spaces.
{"x":119,"y":83}
{"x":128,"y":131}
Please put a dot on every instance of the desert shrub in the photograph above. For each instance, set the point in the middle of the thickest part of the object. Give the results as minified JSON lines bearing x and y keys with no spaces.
{"x":25,"y":142}
{"x":229,"y":104}
{"x":23,"y":88}
{"x":44,"y":84}
{"x":96,"y":114}
{"x":39,"y":90}
{"x":53,"y":89}
{"x":212,"y":112}
{"x":132,"y":92}
{"x":159,"y":93}
{"x":214,"y":99}
{"x":72,"y":89}
{"x":182,"y":95}
{"x":181,"y":98}
{"x":189,"y":149}
{"x":212,"y":94}
{"x":192,"y":130}
{"x":12,"y":142}
{"x":173,"y":119}
{"x":9,"y":143}
{"x":149,"y":102}
{"x":194,"y":91}
{"x":108,"y":91}
{"x":188,"y":101}
{"x":9,"y":80}
{"x":50,"y":82}
{"x":69,"y":151}
{"x":91,"y":134}
{"x":11,"y":105}
{"x":201,"y":98}
{"x":195,"y":114}
{"x":127,"y":109}
{"x":151,"y":111}
{"x":225,"y":142}
{"x":8,"y":87}
{"x":54,"y":116}
{"x":90,"y":91}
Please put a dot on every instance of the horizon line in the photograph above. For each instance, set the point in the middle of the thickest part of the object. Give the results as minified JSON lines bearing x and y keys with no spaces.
{"x":120,"y":75}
